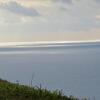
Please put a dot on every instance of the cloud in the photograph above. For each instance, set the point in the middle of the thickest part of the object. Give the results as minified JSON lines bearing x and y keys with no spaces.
{"x":60,"y":20}
{"x":97,"y":0}
{"x":63,"y":1}
{"x":97,"y":17}
{"x":18,"y":9}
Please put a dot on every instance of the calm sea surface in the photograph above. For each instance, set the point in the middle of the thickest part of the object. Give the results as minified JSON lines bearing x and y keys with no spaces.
{"x":73,"y":68}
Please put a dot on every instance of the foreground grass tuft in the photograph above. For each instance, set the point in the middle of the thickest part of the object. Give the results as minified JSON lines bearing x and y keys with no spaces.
{"x":11,"y":91}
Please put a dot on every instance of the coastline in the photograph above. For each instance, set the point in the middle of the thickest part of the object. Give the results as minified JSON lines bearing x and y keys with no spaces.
{"x":46,"y":43}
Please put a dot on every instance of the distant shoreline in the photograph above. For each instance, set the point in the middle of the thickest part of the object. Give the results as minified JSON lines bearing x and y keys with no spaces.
{"x":10,"y":44}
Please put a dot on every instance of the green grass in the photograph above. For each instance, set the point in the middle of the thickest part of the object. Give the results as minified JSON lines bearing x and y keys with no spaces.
{"x":11,"y":91}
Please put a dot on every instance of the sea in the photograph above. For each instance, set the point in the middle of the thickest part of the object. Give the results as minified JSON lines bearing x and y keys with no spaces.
{"x":73,"y":68}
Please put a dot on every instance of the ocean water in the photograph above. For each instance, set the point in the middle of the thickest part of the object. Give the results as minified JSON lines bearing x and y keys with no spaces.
{"x":74,"y":68}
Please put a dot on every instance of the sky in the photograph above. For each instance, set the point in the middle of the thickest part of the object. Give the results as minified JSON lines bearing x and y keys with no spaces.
{"x":49,"y":20}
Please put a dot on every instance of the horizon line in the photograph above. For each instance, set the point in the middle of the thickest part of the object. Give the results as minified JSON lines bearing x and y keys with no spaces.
{"x":44,"y":42}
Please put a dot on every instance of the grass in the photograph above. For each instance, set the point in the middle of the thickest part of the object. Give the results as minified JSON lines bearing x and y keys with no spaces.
{"x":11,"y":91}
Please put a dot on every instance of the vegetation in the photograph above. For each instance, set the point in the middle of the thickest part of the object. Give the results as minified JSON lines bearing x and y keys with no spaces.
{"x":11,"y":91}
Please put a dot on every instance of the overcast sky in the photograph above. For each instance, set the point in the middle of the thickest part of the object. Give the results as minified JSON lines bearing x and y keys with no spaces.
{"x":49,"y":20}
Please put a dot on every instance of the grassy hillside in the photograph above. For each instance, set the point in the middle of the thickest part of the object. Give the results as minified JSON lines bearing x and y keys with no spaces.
{"x":11,"y":91}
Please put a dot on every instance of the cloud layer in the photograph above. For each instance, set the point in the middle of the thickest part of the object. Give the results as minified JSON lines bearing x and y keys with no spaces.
{"x":17,"y":8}
{"x":29,"y":20}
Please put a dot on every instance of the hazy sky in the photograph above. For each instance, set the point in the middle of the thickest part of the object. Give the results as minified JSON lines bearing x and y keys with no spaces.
{"x":36,"y":20}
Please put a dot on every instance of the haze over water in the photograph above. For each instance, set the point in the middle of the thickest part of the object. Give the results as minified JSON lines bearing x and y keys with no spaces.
{"x":73,"y":67}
